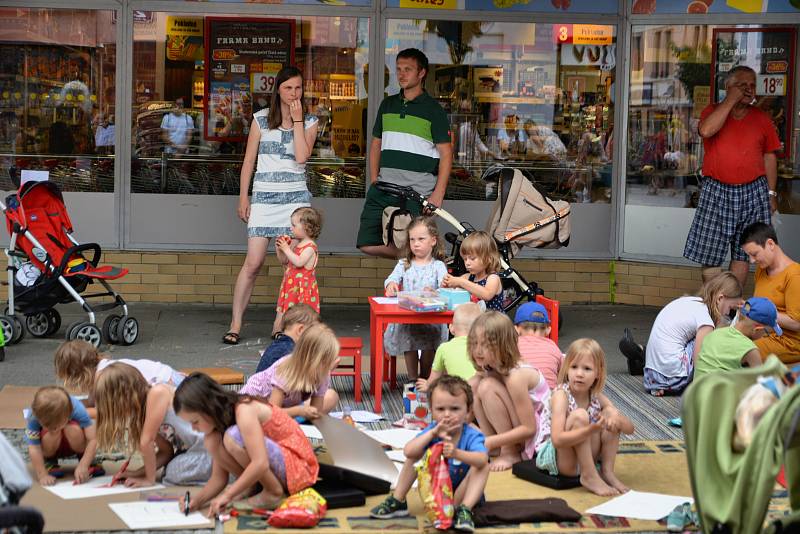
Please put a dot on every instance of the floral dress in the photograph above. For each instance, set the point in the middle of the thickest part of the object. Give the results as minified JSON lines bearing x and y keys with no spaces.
{"x":400,"y":338}
{"x":299,"y":284}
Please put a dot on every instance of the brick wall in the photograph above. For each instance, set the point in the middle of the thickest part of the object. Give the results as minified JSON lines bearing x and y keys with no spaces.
{"x":348,"y":279}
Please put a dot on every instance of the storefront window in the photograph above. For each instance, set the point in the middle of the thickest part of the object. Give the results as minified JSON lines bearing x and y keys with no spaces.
{"x":57,"y":87}
{"x":210,"y":95}
{"x":676,"y":71}
{"x":537,"y":97}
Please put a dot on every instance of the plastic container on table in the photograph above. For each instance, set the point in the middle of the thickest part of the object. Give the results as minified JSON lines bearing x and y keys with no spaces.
{"x":421,"y":301}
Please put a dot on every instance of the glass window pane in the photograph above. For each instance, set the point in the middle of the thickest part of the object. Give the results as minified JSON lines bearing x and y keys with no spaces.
{"x":170,"y":68}
{"x":531,"y":96}
{"x":57,"y":87}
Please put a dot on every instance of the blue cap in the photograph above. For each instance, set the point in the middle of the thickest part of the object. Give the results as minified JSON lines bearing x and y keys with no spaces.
{"x":762,"y":311}
{"x":531,"y":312}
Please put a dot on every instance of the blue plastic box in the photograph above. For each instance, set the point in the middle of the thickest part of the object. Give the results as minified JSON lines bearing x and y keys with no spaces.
{"x":454,"y":297}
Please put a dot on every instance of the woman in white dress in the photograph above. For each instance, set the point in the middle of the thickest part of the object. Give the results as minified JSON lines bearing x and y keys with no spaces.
{"x":280,"y":142}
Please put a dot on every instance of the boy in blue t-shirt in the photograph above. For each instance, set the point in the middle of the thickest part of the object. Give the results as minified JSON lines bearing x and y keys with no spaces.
{"x":60,"y":427}
{"x":468,"y":460}
{"x":295,"y":321}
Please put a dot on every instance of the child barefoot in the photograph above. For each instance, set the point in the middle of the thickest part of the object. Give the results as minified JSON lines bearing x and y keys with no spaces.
{"x":421,"y":268}
{"x":451,"y":357}
{"x":299,"y":255}
{"x":295,"y":321}
{"x":79,"y":363}
{"x":482,"y":260}
{"x":59,"y":427}
{"x":300,"y":382}
{"x":580,"y":426}
{"x":451,"y":407}
{"x":260,"y":444}
{"x":536,"y":349}
{"x":509,"y":395}
{"x":133,"y":415}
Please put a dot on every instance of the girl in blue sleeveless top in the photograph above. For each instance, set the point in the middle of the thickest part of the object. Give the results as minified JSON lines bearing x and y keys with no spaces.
{"x":482,"y":260}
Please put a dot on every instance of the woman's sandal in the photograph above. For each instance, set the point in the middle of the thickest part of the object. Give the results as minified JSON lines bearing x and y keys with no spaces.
{"x":231,"y":338}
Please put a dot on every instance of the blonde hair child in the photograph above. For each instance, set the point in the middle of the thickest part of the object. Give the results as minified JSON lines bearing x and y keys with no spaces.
{"x":508,"y":396}
{"x":79,"y":364}
{"x":421,"y":268}
{"x":59,"y":427}
{"x":134,"y":416}
{"x":482,"y":260}
{"x":299,"y":255}
{"x":580,"y":426}
{"x":300,"y":382}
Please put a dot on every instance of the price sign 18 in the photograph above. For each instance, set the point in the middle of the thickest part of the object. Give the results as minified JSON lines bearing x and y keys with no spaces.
{"x":771,"y":85}
{"x":263,"y":82}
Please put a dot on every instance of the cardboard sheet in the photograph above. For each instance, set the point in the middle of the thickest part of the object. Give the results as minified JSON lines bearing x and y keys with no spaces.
{"x":92,"y":513}
{"x":143,"y":515}
{"x":14,"y":399}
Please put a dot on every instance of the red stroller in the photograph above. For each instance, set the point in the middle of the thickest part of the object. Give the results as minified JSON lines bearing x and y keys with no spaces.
{"x":46,"y":267}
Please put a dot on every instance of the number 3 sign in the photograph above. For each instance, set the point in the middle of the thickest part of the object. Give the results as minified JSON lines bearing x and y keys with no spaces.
{"x":263,"y":82}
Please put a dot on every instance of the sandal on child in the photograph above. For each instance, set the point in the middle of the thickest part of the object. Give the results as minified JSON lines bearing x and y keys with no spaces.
{"x":231,"y":338}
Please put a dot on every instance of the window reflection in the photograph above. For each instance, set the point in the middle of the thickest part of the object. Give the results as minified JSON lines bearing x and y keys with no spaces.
{"x":332,"y":53}
{"x":516,"y":96}
{"x":57,"y":89}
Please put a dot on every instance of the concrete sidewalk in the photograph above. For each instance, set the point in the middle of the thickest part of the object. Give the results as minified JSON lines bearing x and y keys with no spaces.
{"x":190,"y":336}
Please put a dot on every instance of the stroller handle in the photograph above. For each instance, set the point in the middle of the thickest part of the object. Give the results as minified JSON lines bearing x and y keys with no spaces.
{"x":405,"y":192}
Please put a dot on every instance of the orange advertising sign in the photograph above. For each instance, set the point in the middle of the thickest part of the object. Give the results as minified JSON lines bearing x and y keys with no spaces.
{"x":585,"y":34}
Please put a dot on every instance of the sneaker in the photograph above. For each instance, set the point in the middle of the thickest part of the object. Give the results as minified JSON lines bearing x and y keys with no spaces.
{"x":464,"y":521}
{"x":633,"y":352}
{"x":390,"y":507}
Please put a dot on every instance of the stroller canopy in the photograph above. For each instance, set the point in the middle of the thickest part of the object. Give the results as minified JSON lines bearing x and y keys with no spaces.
{"x":524,"y":216}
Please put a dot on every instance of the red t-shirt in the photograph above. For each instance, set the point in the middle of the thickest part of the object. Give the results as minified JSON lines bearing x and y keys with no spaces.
{"x":735,"y":154}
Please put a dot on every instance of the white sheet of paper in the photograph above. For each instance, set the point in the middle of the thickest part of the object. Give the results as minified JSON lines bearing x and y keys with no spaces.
{"x":34,"y":176}
{"x":359,"y":416}
{"x":67,"y":490}
{"x":142,"y":515}
{"x":640,"y":505}
{"x":396,"y":456}
{"x":394,"y":437}
{"x":311,"y":431}
{"x":385,"y":300}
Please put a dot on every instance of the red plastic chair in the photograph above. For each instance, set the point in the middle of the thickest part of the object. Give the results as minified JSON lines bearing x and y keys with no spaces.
{"x":350,"y":347}
{"x":552,"y":311}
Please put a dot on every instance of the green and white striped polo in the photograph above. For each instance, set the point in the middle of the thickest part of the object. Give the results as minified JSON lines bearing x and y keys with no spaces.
{"x":409,"y":131}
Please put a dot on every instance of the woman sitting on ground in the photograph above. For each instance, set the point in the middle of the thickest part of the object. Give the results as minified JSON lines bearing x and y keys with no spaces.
{"x":678,"y":332}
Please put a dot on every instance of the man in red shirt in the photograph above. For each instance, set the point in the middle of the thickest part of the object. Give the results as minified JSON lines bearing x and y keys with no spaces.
{"x":740,"y":172}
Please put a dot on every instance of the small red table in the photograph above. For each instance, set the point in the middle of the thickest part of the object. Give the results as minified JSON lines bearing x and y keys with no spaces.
{"x":380,"y":317}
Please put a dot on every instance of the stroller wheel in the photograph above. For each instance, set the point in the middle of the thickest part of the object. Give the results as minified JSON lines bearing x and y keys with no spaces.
{"x":87,"y":332}
{"x":38,"y":324}
{"x":127,"y":330}
{"x":54,"y":320}
{"x":10,"y":326}
{"x":19,"y":331}
{"x":110,"y":326}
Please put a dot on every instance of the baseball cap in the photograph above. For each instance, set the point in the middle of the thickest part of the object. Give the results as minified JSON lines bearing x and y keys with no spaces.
{"x":531,"y":312}
{"x":762,"y":310}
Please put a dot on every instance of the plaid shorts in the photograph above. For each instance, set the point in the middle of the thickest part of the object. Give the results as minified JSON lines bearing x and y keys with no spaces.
{"x":723,"y":212}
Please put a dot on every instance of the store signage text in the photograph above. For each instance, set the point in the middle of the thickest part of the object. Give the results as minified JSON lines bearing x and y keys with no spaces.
{"x":429,"y":4}
{"x":591,"y":34}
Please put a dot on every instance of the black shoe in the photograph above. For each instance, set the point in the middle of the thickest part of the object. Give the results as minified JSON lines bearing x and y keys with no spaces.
{"x":633,"y":352}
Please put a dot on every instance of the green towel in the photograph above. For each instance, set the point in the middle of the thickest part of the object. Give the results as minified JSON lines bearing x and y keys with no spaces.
{"x":733,"y":488}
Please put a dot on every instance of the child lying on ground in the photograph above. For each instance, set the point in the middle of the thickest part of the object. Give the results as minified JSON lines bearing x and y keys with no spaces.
{"x":451,"y":408}
{"x":580,"y":426}
{"x":59,"y":427}
{"x":451,"y":357}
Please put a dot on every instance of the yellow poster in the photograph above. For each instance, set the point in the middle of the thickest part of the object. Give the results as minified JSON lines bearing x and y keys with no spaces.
{"x":430,"y":4}
{"x":185,"y":26}
{"x":347,"y":136}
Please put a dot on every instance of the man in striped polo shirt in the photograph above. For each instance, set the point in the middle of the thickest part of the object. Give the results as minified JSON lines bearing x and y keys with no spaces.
{"x":410,"y":147}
